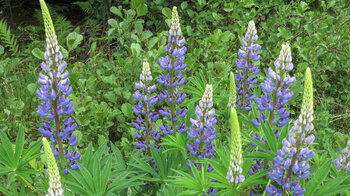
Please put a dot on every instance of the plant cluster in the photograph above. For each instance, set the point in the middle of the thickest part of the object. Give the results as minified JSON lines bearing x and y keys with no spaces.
{"x":150,"y":113}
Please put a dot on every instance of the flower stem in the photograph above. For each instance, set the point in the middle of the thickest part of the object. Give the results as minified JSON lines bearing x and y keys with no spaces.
{"x":57,"y":121}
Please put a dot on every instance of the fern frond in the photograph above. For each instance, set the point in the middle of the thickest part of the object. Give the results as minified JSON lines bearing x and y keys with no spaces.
{"x":7,"y":39}
{"x":86,"y":6}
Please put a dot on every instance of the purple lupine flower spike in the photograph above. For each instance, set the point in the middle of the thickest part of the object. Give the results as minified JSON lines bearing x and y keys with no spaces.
{"x":290,"y":164}
{"x":56,"y":107}
{"x":248,"y":55}
{"x":343,"y":160}
{"x":174,"y":79}
{"x":202,"y":132}
{"x":145,"y":99}
{"x":276,"y":89}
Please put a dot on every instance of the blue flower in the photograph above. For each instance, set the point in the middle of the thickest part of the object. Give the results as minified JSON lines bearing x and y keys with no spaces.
{"x":247,"y":54}
{"x":143,"y":108}
{"x":173,"y":64}
{"x":54,"y":91}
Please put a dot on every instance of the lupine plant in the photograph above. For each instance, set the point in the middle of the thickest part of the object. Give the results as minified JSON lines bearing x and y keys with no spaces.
{"x":276,"y":90}
{"x":173,"y":79}
{"x":55,"y":186}
{"x":343,"y":160}
{"x":249,"y":143}
{"x":202,"y":130}
{"x":291,"y":163}
{"x":143,"y":108}
{"x":56,"y":108}
{"x":248,"y":55}
{"x":275,"y":96}
{"x":233,"y":93}
{"x":234,"y":175}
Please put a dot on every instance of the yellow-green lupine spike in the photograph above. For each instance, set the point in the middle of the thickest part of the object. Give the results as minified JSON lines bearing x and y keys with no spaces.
{"x":175,"y":29}
{"x":307,"y":110}
{"x":233,"y":95}
{"x":51,"y":39}
{"x":234,"y":175}
{"x":55,"y":186}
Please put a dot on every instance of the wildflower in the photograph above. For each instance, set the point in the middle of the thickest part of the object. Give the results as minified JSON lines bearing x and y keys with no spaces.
{"x":55,"y":186}
{"x":233,"y":95}
{"x":234,"y":175}
{"x":343,"y":160}
{"x":143,"y":108}
{"x":173,"y":79}
{"x":54,"y":92}
{"x":293,"y":157}
{"x":276,"y":89}
{"x":202,"y":130}
{"x":247,"y":55}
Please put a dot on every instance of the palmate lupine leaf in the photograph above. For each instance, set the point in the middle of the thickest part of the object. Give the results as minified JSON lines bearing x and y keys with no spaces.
{"x":13,"y":161}
{"x":96,"y":177}
{"x":318,"y":178}
{"x":199,"y":183}
{"x":334,"y":186}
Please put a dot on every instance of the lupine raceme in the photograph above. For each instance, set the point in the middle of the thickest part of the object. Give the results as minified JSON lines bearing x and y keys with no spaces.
{"x":276,"y":90}
{"x":55,"y":186}
{"x":248,"y":55}
{"x":202,"y":131}
{"x":173,"y":63}
{"x":343,"y":160}
{"x":56,"y":108}
{"x":143,"y":108}
{"x":233,"y":94}
{"x":275,"y":96}
{"x":234,"y":175}
{"x":290,"y":164}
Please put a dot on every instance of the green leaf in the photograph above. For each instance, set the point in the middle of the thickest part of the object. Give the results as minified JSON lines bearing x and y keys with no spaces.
{"x":145,"y":35}
{"x":7,"y":149}
{"x":166,"y":12}
{"x":127,"y":109}
{"x":318,"y":178}
{"x":260,"y":155}
{"x":251,"y":180}
{"x":152,"y":42}
{"x":184,"y":5}
{"x":1,"y":50}
{"x":73,"y":40}
{"x":113,"y":23}
{"x":31,"y":88}
{"x":38,"y":54}
{"x":334,"y":186}
{"x":135,"y":3}
{"x":19,"y":143}
{"x":142,"y":10}
{"x":116,"y":11}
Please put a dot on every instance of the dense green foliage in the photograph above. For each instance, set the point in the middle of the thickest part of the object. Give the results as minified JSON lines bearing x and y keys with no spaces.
{"x":105,"y":43}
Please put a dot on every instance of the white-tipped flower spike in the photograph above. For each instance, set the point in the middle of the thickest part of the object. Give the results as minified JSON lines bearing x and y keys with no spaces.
{"x":55,"y":186}
{"x":207,"y":99}
{"x":307,"y":109}
{"x":51,"y":39}
{"x":306,"y":117}
{"x":232,"y":99}
{"x":234,"y":175}
{"x":146,"y":73}
{"x":251,"y":33}
{"x":175,"y":29}
{"x":284,"y":61}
